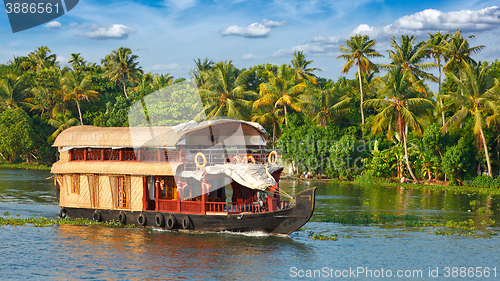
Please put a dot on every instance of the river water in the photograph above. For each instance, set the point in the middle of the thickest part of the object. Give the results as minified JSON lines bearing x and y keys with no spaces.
{"x":359,"y":252}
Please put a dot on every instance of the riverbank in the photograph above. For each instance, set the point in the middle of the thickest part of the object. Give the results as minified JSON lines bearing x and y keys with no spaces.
{"x":26,"y":166}
{"x":387,"y":182}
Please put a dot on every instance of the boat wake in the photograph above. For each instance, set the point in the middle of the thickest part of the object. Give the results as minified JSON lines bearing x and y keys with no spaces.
{"x":248,"y":234}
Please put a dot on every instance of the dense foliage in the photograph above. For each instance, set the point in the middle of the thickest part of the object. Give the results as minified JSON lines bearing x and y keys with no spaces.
{"x":385,"y":122}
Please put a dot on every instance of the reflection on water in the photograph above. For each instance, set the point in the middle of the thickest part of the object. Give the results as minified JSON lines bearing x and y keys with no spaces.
{"x":95,"y":252}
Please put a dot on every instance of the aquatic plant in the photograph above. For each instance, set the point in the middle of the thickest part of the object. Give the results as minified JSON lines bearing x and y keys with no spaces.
{"x":47,"y":222}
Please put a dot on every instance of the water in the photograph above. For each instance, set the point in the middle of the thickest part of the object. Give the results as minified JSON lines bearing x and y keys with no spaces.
{"x":95,"y":252}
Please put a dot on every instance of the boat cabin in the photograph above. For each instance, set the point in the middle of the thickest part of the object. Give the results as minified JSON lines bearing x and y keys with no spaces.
{"x":209,"y":168}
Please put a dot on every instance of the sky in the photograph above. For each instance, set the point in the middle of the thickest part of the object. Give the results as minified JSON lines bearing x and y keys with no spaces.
{"x":168,"y":35}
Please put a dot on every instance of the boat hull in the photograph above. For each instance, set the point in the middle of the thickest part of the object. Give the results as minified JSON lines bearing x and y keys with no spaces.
{"x":281,"y":222}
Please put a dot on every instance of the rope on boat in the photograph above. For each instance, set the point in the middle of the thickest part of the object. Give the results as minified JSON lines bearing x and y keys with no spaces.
{"x":284,"y":194}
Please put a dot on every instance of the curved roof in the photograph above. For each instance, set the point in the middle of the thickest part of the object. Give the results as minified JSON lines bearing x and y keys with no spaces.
{"x":90,"y":136}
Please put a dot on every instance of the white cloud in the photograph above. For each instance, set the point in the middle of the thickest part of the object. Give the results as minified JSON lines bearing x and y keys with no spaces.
{"x":168,"y":67}
{"x":271,"y":23}
{"x":330,"y":40}
{"x":248,"y":56}
{"x":306,"y":48}
{"x":180,"y":5}
{"x":431,"y":20}
{"x":53,"y":25}
{"x":116,"y":31}
{"x":255,"y":30}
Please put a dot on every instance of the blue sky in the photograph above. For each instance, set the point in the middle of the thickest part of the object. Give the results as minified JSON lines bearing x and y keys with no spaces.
{"x":168,"y":35}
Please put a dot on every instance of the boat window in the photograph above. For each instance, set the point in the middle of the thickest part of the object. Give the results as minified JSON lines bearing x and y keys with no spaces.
{"x":168,"y":189}
{"x":122,"y":194}
{"x":75,"y":183}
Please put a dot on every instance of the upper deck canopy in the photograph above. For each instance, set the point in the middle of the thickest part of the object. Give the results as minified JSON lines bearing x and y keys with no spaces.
{"x":191,"y":133}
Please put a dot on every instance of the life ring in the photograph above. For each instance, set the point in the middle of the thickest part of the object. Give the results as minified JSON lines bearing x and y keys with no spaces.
{"x":204,"y":160}
{"x":122,"y":218}
{"x":141,"y":219}
{"x":171,"y":222}
{"x":186,"y":222}
{"x":251,"y":159}
{"x":270,"y":158}
{"x":63,"y":213}
{"x":159,"y":220}
{"x":96,"y":216}
{"x":236,"y":159}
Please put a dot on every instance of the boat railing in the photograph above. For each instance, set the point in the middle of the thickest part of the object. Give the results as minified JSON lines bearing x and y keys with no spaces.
{"x":223,"y":156}
{"x":195,"y":207}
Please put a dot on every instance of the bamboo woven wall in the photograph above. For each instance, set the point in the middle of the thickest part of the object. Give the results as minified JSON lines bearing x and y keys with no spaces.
{"x":136,"y":193}
{"x":99,"y":192}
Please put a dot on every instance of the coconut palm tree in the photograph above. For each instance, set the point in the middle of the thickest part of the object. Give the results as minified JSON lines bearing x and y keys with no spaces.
{"x":202,"y":66}
{"x":282,"y":91}
{"x":77,"y":86}
{"x":401,"y":107}
{"x":61,"y":119}
{"x":121,"y":65}
{"x":225,"y":93}
{"x":326,"y":103}
{"x":40,"y":59}
{"x":434,"y":48}
{"x":12,"y":92}
{"x":77,"y":61}
{"x":161,"y":81}
{"x":358,"y":51}
{"x":458,"y":50}
{"x":269,"y":114}
{"x":479,"y":98}
{"x":302,"y":69}
{"x":410,"y":55}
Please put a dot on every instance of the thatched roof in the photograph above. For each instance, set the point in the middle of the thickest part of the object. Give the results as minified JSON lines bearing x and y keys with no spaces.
{"x":90,"y":136}
{"x":115,"y":167}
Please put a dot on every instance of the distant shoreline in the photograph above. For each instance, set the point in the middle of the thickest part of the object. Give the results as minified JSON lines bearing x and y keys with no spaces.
{"x":26,"y":166}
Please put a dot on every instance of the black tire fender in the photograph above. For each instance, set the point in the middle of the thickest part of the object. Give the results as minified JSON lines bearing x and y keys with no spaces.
{"x":122,"y":217}
{"x":63,"y":213}
{"x":186,"y":222}
{"x":171,"y":222}
{"x":159,"y":220}
{"x":96,"y":216}
{"x":141,"y":219}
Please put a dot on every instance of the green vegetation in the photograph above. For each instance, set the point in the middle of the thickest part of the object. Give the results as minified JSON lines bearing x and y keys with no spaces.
{"x":467,"y":228}
{"x":383,"y":125}
{"x":47,"y":222}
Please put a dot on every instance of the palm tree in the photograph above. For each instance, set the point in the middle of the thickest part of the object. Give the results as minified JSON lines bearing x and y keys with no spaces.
{"x":12,"y":92}
{"x":201,"y":67}
{"x":225,"y":93}
{"x":401,"y":107}
{"x":326,"y":103}
{"x":458,"y":50}
{"x":121,"y":65}
{"x":61,"y":119}
{"x":77,"y":61}
{"x":76,"y":86}
{"x":359,"y":49}
{"x":300,"y":66}
{"x":269,"y":114}
{"x":281,"y":91}
{"x":435,"y":50}
{"x":40,"y":59}
{"x":161,"y":81}
{"x":479,"y":98}
{"x":409,"y":55}
{"x":44,"y":99}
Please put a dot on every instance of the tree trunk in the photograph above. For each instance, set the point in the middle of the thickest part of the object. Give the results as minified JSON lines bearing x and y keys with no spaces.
{"x":79,"y":111}
{"x":361,"y":93}
{"x":485,"y":145}
{"x":406,"y":155}
{"x":286,"y":123}
{"x":125,"y":88}
{"x":274,"y":135}
{"x":439,"y":93}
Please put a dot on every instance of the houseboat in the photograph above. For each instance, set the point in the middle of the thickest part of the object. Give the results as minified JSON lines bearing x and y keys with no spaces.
{"x":210,"y":176}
